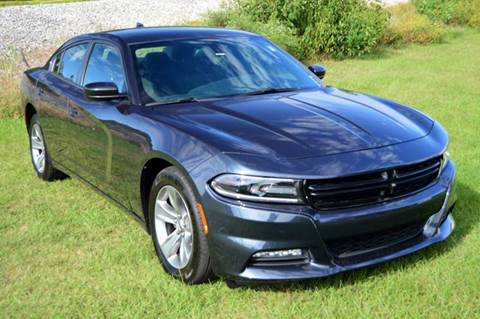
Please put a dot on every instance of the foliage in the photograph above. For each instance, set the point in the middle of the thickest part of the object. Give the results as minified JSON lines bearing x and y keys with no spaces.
{"x":407,"y":26}
{"x":470,"y":10}
{"x":339,"y":28}
{"x":460,"y":12}
{"x":345,"y":28}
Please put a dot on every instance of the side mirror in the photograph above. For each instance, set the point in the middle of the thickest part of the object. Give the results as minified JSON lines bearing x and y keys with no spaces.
{"x":318,"y":70}
{"x":102,"y":91}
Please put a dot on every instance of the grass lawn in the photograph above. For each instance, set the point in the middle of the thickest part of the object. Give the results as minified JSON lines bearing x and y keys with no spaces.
{"x":6,"y":3}
{"x":65,"y":251}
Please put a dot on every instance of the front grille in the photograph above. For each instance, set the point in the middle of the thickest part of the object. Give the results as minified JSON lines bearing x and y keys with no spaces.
{"x":360,"y":248}
{"x":370,"y":188}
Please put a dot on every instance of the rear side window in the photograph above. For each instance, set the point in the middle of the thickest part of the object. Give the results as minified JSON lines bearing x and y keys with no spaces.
{"x":71,"y":63}
{"x":105,"y":65}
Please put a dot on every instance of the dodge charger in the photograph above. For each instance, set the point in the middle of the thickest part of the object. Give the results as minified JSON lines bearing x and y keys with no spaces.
{"x":238,"y":160}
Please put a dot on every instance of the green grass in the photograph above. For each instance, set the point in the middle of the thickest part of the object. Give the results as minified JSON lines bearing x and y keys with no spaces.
{"x":66,"y":252}
{"x":6,"y":3}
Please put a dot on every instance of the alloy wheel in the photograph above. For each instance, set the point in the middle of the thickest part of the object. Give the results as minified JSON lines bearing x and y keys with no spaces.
{"x":38,"y":148}
{"x":173,"y":227}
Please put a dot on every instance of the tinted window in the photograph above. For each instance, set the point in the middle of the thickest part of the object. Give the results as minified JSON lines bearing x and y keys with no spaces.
{"x":203,"y":68}
{"x":71,"y":62}
{"x":105,"y":65}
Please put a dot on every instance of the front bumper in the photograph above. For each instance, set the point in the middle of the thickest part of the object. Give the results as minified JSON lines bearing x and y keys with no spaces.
{"x":238,"y":230}
{"x":315,"y":270}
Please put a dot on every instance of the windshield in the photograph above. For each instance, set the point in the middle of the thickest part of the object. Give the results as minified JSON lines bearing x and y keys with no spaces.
{"x":207,"y":68}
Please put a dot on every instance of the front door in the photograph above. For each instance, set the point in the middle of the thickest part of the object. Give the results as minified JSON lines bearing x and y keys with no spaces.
{"x":90,"y":133}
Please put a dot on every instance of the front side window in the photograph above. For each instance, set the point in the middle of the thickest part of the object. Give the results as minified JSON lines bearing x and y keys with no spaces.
{"x":55,"y":63}
{"x":71,"y":63}
{"x":105,"y":65}
{"x":207,"y":68}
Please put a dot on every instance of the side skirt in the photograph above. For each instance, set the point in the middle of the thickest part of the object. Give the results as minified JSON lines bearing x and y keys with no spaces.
{"x":129,"y":212}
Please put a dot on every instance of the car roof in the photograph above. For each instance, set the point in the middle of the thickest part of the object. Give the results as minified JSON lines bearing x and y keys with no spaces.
{"x":153,"y":34}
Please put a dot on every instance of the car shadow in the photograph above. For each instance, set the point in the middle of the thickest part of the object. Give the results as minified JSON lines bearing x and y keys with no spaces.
{"x":466,"y":218}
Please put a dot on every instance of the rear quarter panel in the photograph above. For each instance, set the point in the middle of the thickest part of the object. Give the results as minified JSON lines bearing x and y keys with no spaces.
{"x":28,"y":87}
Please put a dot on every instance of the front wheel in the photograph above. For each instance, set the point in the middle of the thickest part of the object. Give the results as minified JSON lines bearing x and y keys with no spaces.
{"x":42,"y":163}
{"x":177,"y":229}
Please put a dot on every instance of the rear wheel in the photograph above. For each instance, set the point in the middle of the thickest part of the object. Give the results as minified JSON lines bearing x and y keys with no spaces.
{"x":41,"y":161}
{"x":176,"y":228}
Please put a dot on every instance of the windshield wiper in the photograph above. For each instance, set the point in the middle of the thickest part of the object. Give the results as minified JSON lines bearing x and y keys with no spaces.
{"x":258,"y":92}
{"x":270,"y":90}
{"x":178,"y":101}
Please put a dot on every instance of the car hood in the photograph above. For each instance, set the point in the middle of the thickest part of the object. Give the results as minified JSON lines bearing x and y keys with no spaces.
{"x":303,"y":124}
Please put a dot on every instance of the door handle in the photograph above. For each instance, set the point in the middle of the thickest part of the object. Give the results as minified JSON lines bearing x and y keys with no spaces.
{"x":41,"y":92}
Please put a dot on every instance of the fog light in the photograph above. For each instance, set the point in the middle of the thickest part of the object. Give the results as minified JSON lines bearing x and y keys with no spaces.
{"x":279,"y":253}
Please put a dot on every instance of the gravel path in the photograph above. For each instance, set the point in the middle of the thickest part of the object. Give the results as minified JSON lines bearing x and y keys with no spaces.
{"x":36,"y":26}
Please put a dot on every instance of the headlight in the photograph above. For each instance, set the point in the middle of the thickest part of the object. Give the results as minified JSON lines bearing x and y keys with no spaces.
{"x":445,"y":159}
{"x":258,"y":189}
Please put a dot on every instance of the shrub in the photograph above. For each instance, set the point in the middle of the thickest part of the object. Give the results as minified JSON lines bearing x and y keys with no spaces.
{"x":471,"y":9}
{"x":462,"y":12}
{"x":338,"y":28}
{"x":407,"y":26}
{"x":437,"y":10}
{"x":345,"y":28}
{"x":219,"y":18}
{"x":297,"y":14}
{"x":258,"y":10}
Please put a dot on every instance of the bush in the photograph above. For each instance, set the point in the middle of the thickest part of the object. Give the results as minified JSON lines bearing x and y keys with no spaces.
{"x":339,"y":28}
{"x":437,"y":10}
{"x":345,"y":28}
{"x":460,"y":12}
{"x":297,"y":14}
{"x":219,"y":18}
{"x":407,"y":26}
{"x":471,"y":9}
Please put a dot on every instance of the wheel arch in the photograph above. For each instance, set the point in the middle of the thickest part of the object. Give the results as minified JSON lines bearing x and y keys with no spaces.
{"x":29,"y":111}
{"x":154,"y":164}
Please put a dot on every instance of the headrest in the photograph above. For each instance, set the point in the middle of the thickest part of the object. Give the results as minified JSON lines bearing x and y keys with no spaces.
{"x":157,"y":61}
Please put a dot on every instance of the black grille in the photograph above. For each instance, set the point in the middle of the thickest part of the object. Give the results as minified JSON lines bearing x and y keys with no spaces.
{"x":365,"y":247}
{"x":373,"y":187}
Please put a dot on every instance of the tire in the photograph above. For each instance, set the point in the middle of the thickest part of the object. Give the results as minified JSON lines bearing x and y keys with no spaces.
{"x":41,"y":160}
{"x":196,"y":268}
